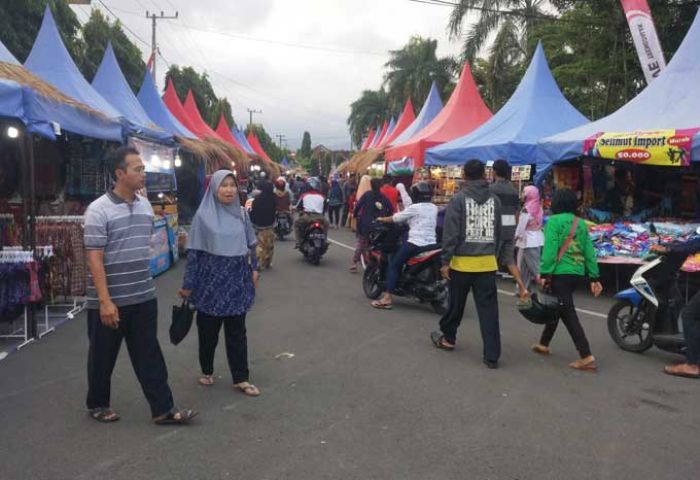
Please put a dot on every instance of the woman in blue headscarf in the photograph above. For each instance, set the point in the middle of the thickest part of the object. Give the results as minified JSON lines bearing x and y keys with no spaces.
{"x":221,"y":277}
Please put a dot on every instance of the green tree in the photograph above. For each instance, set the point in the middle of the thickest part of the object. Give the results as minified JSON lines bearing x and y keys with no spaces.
{"x":20,"y":21}
{"x":187,"y":78}
{"x":267,"y":143}
{"x":412,"y":70}
{"x":305,"y":150}
{"x":97,"y":32}
{"x":367,"y":111}
{"x":222,"y":106}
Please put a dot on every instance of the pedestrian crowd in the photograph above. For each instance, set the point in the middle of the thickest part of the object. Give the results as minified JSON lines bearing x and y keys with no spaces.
{"x":231,"y":241}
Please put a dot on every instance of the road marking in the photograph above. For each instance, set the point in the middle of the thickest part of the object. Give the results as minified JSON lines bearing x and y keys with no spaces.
{"x":504,"y":292}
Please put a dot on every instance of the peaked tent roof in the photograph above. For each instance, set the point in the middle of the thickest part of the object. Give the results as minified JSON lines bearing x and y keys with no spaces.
{"x":463,"y":113}
{"x":192,"y":110}
{"x":156,"y":110}
{"x":50,"y":60}
{"x":110,"y":82}
{"x":243,"y":141}
{"x":172,"y":101}
{"x":392,"y":126}
{"x":285,"y":162}
{"x":255,"y":143}
{"x":405,"y":120}
{"x":38,"y":104}
{"x":537,"y":109}
{"x":669,"y":102}
{"x":368,"y":140}
{"x":431,"y":107}
{"x":380,"y":137}
{"x":224,"y":131}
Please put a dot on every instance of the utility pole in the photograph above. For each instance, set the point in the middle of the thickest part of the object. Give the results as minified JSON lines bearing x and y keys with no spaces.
{"x":251,"y":111}
{"x":154,"y":45}
{"x":281,"y":138}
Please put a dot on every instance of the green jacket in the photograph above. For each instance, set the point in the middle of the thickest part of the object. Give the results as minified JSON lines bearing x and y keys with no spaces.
{"x":579,"y":258}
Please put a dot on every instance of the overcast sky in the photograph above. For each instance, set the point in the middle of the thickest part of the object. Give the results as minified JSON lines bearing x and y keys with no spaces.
{"x":302,"y":62}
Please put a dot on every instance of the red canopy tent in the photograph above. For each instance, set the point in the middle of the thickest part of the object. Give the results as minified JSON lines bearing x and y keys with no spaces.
{"x":224,"y":131}
{"x":172,"y":101}
{"x":192,"y":111}
{"x":368,"y":141}
{"x":407,"y":117}
{"x":464,"y":112}
{"x":255,"y":143}
{"x":381,"y":135}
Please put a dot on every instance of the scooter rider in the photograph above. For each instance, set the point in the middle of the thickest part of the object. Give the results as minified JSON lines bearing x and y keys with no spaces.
{"x":690,"y":315}
{"x":311,"y":207}
{"x":421,"y":216}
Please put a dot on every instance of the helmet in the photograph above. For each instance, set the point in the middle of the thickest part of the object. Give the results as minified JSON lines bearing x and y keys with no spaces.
{"x":314,"y":183}
{"x":421,"y":192}
{"x":280,"y":184}
{"x":541,"y":310}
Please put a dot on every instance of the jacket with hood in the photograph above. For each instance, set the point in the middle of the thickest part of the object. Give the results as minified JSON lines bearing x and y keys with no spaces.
{"x":472,"y":225}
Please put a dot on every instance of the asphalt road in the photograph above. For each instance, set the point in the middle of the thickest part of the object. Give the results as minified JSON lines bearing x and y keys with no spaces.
{"x":365,"y":396}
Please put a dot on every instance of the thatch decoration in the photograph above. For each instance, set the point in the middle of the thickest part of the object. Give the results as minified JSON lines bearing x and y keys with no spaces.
{"x":216,"y":154}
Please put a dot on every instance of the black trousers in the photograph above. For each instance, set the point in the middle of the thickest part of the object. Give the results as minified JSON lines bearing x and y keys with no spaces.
{"x":334,"y":214}
{"x":564,"y":286}
{"x":208,"y":327}
{"x":691,"y":329}
{"x":486,"y":299}
{"x":138,"y":325}
{"x":345,"y":214}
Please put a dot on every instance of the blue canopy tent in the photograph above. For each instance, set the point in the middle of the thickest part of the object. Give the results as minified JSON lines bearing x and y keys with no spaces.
{"x":669,"y":102}
{"x":50,"y":61}
{"x":431,"y":107}
{"x":40,"y":106}
{"x":110,"y":82}
{"x":156,"y":110}
{"x":537,"y":109}
{"x":243,"y":141}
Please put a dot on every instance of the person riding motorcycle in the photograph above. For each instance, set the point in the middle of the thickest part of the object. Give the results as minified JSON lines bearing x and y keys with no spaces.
{"x":421,"y":216}
{"x":310,"y":205}
{"x":283,"y":196}
{"x":690,"y":315}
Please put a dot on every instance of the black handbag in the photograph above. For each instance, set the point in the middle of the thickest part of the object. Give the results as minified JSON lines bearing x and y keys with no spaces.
{"x":182,"y":318}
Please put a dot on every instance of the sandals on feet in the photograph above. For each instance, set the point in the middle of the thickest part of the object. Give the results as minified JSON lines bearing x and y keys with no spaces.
{"x":381,"y":305}
{"x":541,"y":349}
{"x":585,"y":364}
{"x":680,"y":370}
{"x":206,"y":380}
{"x":104,"y":415}
{"x":247,"y":389}
{"x":439,"y":341}
{"x":176,"y":417}
{"x":353,"y":268}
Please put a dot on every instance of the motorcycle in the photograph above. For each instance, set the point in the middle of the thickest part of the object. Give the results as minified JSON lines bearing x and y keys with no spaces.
{"x":420,"y":277}
{"x":649,"y":313}
{"x":314,"y":243}
{"x":283,"y":224}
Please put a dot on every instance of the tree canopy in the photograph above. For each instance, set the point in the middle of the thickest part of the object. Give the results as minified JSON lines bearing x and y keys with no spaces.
{"x":209,"y":105}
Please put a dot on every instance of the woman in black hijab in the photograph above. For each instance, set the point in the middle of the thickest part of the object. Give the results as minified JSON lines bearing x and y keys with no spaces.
{"x":262,"y":215}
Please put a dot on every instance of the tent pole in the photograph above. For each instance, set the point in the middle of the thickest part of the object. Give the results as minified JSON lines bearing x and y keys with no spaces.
{"x":31,"y":220}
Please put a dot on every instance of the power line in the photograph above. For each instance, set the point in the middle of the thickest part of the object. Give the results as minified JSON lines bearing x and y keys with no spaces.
{"x":123,"y":24}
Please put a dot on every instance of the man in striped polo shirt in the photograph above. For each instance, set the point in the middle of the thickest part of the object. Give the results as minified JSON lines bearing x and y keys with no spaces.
{"x":122,"y":295}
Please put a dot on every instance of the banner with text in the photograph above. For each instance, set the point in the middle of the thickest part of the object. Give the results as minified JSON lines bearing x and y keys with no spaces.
{"x":646,"y":41}
{"x":669,"y":148}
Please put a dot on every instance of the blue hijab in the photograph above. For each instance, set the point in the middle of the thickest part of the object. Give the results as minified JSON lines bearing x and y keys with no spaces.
{"x":219,"y":229}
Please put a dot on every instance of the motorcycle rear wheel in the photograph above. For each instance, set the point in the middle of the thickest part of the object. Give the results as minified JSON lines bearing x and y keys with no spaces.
{"x":441,"y":305}
{"x":371,"y":281}
{"x":623,"y":326}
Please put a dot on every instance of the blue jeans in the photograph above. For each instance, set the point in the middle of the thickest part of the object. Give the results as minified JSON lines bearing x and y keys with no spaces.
{"x":405,"y":252}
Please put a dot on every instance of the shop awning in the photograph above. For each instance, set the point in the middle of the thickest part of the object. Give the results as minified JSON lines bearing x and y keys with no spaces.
{"x":368,"y":140}
{"x":243,"y":141}
{"x":257,"y":147}
{"x":157,"y":111}
{"x":537,"y":109}
{"x":667,"y":109}
{"x":224,"y":131}
{"x":405,"y":120}
{"x":380,"y":136}
{"x":201,"y":127}
{"x":463,"y":113}
{"x":110,"y":82}
{"x":431,"y":107}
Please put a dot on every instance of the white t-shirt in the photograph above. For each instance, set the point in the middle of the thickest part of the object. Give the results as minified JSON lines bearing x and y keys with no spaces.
{"x":527,"y":238}
{"x":312,"y":203}
{"x":422,"y":220}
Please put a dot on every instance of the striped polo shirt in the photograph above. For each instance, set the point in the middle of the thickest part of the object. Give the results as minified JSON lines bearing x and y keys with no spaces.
{"x":123,"y":230}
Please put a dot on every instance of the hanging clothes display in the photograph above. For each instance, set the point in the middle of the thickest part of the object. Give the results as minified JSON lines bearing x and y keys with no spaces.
{"x":67,"y":267}
{"x":15,"y":283}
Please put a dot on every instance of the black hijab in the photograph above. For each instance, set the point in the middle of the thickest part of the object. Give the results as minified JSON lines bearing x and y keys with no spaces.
{"x":264,"y":206}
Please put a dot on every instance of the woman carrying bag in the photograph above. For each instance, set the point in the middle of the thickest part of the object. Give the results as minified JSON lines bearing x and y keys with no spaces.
{"x":529,"y":238}
{"x":568,"y":255}
{"x":219,"y":279}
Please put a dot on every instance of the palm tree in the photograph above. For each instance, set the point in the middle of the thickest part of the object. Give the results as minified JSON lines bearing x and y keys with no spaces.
{"x":412,"y":69}
{"x":516,"y":23}
{"x":366,"y":112}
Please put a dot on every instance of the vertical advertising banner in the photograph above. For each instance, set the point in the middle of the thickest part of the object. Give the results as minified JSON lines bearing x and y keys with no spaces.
{"x":646,"y":41}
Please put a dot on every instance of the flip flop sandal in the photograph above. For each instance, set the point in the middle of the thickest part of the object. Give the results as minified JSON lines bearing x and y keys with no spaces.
{"x":438,"y":340}
{"x":677,"y":373}
{"x":353,"y":269}
{"x":249,"y":390}
{"x":104,"y":415}
{"x":170,"y":418}
{"x":587,"y":367}
{"x":381,"y":305}
{"x":206,"y":380}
